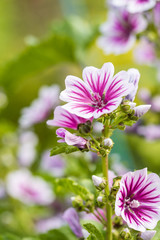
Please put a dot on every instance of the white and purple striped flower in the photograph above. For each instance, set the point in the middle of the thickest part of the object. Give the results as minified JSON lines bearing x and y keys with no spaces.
{"x":138,"y":200}
{"x":63,"y":118}
{"x":134,"y":6}
{"x":119,"y":32}
{"x":100,"y":92}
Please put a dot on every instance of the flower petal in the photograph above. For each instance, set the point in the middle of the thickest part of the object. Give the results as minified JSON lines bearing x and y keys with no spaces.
{"x":63,"y":118}
{"x":134,"y":76}
{"x":97,"y":79}
{"x":76,"y":90}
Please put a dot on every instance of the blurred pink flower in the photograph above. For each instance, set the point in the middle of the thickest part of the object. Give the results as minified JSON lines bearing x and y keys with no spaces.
{"x":138,"y":200}
{"x":157,"y":16}
{"x":44,"y":225}
{"x":54,"y":165}
{"x":134,"y":6}
{"x":70,"y":139}
{"x":22,"y":185}
{"x":99,"y":93}
{"x":63,"y":118}
{"x":144,"y":53}
{"x":150,"y":132}
{"x":148,"y":235}
{"x":41,"y":107}
{"x":27,"y":148}
{"x":119,"y":31}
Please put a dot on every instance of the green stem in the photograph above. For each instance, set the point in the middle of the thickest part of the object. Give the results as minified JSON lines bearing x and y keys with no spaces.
{"x":107,"y":133}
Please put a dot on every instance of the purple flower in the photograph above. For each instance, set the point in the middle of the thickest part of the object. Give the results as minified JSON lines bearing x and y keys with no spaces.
{"x":98,"y":94}
{"x":134,"y":76}
{"x":150,"y":132}
{"x":138,"y":200}
{"x":141,"y":110}
{"x":119,"y":32}
{"x":70,"y":139}
{"x":148,"y":235}
{"x":63,"y":118}
{"x":156,"y":103}
{"x":55,"y":165}
{"x":144,"y":53}
{"x":28,"y":189}
{"x":134,"y":6}
{"x":41,"y":107}
{"x":44,"y":225}
{"x":145,"y":95}
{"x":157,"y":16}
{"x":72,"y":218}
{"x":27,"y":148}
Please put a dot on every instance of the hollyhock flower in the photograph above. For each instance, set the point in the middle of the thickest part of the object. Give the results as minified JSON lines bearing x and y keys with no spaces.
{"x":98,"y":94}
{"x":27,"y":148}
{"x":138,"y":200}
{"x":150,"y":132}
{"x":134,"y":6}
{"x":70,"y":139}
{"x":55,"y":165}
{"x":119,"y":32}
{"x":29,"y":189}
{"x":144,"y":53}
{"x":41,"y":107}
{"x":63,"y":118}
{"x":72,"y":218}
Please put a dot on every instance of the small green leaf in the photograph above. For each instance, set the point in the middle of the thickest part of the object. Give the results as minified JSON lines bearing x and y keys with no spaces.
{"x":63,"y":148}
{"x":93,"y":231}
{"x":9,"y":236}
{"x":64,"y":184}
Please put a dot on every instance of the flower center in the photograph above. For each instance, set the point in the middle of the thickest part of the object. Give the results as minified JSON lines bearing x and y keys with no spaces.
{"x":98,"y":101}
{"x":131,"y":203}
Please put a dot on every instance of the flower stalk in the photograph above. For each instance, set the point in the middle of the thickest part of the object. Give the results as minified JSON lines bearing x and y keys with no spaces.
{"x":107,"y":133}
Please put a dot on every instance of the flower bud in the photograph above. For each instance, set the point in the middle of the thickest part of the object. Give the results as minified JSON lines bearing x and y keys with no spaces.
{"x":77,"y":203}
{"x":141,"y":110}
{"x":85,"y":128}
{"x":125,"y":234}
{"x":108,"y":142}
{"x":99,"y":199}
{"x":98,"y":182}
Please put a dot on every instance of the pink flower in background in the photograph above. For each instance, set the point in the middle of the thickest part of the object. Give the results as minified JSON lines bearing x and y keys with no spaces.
{"x":54,"y":165}
{"x":72,"y":218}
{"x":156,"y":103}
{"x":44,"y":225}
{"x":41,"y":107}
{"x":134,"y":6}
{"x":63,"y":118}
{"x":27,"y":148}
{"x":119,"y":31}
{"x":29,"y":189}
{"x":150,"y":132}
{"x":98,"y":94}
{"x":138,"y":200}
{"x":157,"y":16}
{"x":70,"y":139}
{"x":144,"y":53}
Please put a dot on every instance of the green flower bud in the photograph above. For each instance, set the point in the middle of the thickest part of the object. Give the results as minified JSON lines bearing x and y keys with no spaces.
{"x":85,"y":128}
{"x":77,"y":203}
{"x":125,"y":234}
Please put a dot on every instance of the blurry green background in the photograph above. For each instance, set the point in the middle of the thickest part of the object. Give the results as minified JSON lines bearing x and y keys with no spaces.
{"x":41,"y":42}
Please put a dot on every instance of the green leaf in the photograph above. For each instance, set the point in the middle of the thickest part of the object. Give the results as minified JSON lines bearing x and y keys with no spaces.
{"x":157,"y":229}
{"x":56,"y":49}
{"x":63,"y":148}
{"x":64,"y":184}
{"x":9,"y":236}
{"x":93,"y":231}
{"x":63,"y":233}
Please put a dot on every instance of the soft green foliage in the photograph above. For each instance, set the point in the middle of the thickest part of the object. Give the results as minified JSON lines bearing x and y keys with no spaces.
{"x":92,"y":229}
{"x":63,"y":148}
{"x":58,"y":234}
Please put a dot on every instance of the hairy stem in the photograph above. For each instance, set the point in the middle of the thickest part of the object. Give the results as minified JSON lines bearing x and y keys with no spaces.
{"x":107,"y":133}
